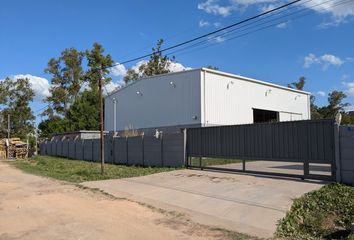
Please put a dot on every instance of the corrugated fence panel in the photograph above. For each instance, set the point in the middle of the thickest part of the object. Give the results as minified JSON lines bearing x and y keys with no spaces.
{"x":96,"y":150}
{"x":71,"y":149}
{"x":173,"y":150}
{"x":79,"y":150}
{"x":65,"y":148}
{"x":87,"y":148}
{"x":59,"y":148}
{"x":135,"y":151}
{"x":120,"y":150}
{"x":310,"y":140}
{"x":152,"y":151}
{"x":54,"y":148}
{"x":108,"y":150}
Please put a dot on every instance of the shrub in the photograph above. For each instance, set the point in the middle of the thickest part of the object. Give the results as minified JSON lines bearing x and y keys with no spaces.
{"x":324,"y":213}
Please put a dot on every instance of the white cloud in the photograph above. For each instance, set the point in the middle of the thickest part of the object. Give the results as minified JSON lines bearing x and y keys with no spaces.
{"x":321,"y":93}
{"x":282,"y":25}
{"x":118,"y":70}
{"x":268,"y":7}
{"x":349,"y":88}
{"x":349,"y":108}
{"x":310,"y":59}
{"x":338,"y":12}
{"x":112,"y":86}
{"x":331,"y":59}
{"x":177,"y":67}
{"x":39,"y":85}
{"x":325,"y":60}
{"x":173,"y":67}
{"x":203,"y":23}
{"x":217,"y":24}
{"x":212,"y":6}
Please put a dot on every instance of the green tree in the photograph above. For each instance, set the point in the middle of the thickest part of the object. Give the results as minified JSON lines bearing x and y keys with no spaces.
{"x":212,"y":67}
{"x":315,"y":114}
{"x":299,"y":85}
{"x":71,"y":109}
{"x":84,"y":113}
{"x":67,"y":79}
{"x":52,"y":125}
{"x":98,"y":64}
{"x":335,"y":104}
{"x":157,"y":64}
{"x":16,"y":94}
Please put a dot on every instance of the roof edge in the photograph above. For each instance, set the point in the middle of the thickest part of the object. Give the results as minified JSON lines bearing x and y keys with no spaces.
{"x":145,"y":78}
{"x":254,"y":80}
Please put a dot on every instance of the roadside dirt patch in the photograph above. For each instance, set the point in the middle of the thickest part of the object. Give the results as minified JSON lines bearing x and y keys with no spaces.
{"x":33,"y":207}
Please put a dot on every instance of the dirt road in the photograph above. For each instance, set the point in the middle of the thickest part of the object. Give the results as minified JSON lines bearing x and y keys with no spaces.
{"x":33,"y":207}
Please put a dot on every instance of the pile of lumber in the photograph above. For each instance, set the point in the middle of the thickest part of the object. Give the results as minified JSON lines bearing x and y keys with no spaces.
{"x":3,"y":149}
{"x":15,"y":148}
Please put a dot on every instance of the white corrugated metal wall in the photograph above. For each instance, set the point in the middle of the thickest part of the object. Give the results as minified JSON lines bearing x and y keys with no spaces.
{"x":165,"y":100}
{"x":200,"y":97}
{"x":230,"y":100}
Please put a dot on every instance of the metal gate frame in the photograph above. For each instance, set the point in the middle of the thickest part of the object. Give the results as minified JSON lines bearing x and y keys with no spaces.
{"x":306,"y":142}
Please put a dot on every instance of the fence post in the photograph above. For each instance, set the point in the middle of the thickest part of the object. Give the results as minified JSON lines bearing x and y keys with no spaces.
{"x":142,"y":147}
{"x":185,"y":148}
{"x":113,"y":152}
{"x":307,"y":153}
{"x":337,"y":158}
{"x":162,"y":155}
{"x":126,"y":148}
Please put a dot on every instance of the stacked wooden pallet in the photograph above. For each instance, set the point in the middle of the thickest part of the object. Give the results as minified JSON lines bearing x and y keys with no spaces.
{"x":17,"y":148}
{"x":3,"y":149}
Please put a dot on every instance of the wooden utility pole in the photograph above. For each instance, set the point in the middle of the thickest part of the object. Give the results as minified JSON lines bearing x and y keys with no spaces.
{"x":101,"y":123}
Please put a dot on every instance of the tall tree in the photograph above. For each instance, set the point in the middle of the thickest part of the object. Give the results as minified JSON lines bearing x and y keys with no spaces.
{"x":98,"y":64}
{"x":315,"y":114}
{"x":84,"y":113}
{"x":299,"y":85}
{"x":71,"y":108}
{"x":52,"y":125}
{"x":335,"y":104}
{"x":157,"y":64}
{"x":16,"y":94}
{"x":67,"y":78}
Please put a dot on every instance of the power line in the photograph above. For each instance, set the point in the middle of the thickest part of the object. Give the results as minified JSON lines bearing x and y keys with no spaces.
{"x":208,"y":43}
{"x":208,"y":34}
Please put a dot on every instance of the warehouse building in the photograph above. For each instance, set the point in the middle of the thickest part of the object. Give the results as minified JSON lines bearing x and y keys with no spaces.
{"x":200,"y":98}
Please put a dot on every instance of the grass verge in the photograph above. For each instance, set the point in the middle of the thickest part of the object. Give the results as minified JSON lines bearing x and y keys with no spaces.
{"x":326,"y":213}
{"x":80,"y":171}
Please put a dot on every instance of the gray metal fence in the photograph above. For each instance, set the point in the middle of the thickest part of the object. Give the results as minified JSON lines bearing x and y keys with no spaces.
{"x":310,"y":141}
{"x":167,"y":151}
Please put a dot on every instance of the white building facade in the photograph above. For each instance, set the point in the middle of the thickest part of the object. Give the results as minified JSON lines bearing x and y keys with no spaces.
{"x":201,"y":97}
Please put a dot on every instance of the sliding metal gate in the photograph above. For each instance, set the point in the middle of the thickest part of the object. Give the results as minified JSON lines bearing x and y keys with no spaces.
{"x":307,"y":142}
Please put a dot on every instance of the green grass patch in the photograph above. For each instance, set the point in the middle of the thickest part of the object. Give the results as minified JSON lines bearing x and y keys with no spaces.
{"x":326,"y":213}
{"x":81,"y":171}
{"x":213,"y":161}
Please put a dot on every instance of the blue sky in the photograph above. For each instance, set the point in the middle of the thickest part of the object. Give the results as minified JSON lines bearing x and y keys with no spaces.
{"x":319,"y":46}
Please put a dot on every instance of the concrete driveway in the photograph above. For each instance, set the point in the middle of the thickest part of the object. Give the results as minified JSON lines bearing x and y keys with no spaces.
{"x":243,"y":203}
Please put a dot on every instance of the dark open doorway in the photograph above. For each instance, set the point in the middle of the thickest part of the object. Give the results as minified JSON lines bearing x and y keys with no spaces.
{"x":260,"y":115}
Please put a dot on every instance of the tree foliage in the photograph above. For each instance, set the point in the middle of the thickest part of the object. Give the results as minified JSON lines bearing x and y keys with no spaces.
{"x":157,"y":64}
{"x":98,"y":64}
{"x":67,"y":78}
{"x":84,"y":113}
{"x":70,"y":107}
{"x":299,"y":85}
{"x":335,"y":104}
{"x":15,"y":96}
